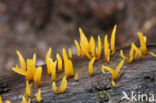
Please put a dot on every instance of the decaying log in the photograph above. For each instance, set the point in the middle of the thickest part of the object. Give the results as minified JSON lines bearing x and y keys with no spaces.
{"x":138,"y":76}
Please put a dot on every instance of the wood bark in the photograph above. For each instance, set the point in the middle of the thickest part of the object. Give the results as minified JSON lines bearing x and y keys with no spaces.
{"x":138,"y":76}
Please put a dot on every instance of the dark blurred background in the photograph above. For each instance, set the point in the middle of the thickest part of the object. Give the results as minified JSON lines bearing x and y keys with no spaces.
{"x":35,"y":25}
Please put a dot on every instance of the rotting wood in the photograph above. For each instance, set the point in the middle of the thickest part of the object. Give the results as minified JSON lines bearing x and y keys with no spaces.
{"x":138,"y":76}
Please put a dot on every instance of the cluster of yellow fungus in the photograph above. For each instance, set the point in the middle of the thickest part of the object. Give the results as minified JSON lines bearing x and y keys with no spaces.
{"x":114,"y":72}
{"x":62,"y":86}
{"x":68,"y":65}
{"x":84,"y":48}
{"x":143,"y":47}
{"x":51,"y":65}
{"x":87,"y":48}
{"x":7,"y":101}
{"x":112,"y":43}
{"x":135,"y":51}
{"x":29,"y":69}
{"x":68,"y":68}
{"x":29,"y":94}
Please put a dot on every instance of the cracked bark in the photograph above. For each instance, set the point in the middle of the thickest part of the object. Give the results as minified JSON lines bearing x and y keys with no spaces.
{"x":138,"y":76}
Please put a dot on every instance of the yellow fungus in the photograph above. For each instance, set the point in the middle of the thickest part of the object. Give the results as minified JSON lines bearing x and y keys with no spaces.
{"x":92,"y":46}
{"x":62,"y":86}
{"x":49,"y":65}
{"x":123,"y":56}
{"x":103,"y":71}
{"x":115,"y":73}
{"x":66,"y":68}
{"x":85,"y":51}
{"x":83,"y":39}
{"x":54,"y":87}
{"x":38,"y":96}
{"x":90,"y":66}
{"x":137,"y":51}
{"x":76,"y":76}
{"x":19,"y":71}
{"x":37,"y":76}
{"x":22,"y":61}
{"x":142,"y":39}
{"x":71,"y":69}
{"x":98,"y":50}
{"x":29,"y":69}
{"x":143,"y":47}
{"x":53,"y":69}
{"x":70,"y":53}
{"x":64,"y":53}
{"x":151,"y":53}
{"x":113,"y":84}
{"x":24,"y":100}
{"x":78,"y":48}
{"x":113,"y":40}
{"x":134,"y":52}
{"x":59,"y":62}
{"x":66,"y":61}
{"x":7,"y":101}
{"x":48,"y":55}
{"x":0,"y":99}
{"x":28,"y":90}
{"x":106,"y":49}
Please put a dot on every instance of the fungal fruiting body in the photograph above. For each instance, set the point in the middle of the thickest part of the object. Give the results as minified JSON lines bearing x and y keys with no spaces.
{"x":38,"y":96}
{"x":37,"y":76}
{"x":48,"y":55}
{"x":106,"y":49}
{"x":49,"y":61}
{"x":98,"y":49}
{"x":68,"y":65}
{"x":114,"y":73}
{"x":92,"y":46}
{"x":88,"y":49}
{"x":0,"y":99}
{"x":142,"y":39}
{"x":59,"y":61}
{"x":65,"y":58}
{"x":53,"y":69}
{"x":85,"y":51}
{"x":137,"y":51}
{"x":71,"y":69}
{"x":83,"y":39}
{"x":76,"y":76}
{"x":25,"y":101}
{"x":7,"y":101}
{"x":113,"y":40}
{"x":28,"y":90}
{"x":62,"y":86}
{"x":84,"y":45}
{"x":51,"y":65}
{"x":134,"y":52}
{"x":78,"y":48}
{"x":28,"y":69}
{"x":70,"y":53}
{"x":143,"y":47}
{"x":90,"y":66}
{"x":103,"y":71}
